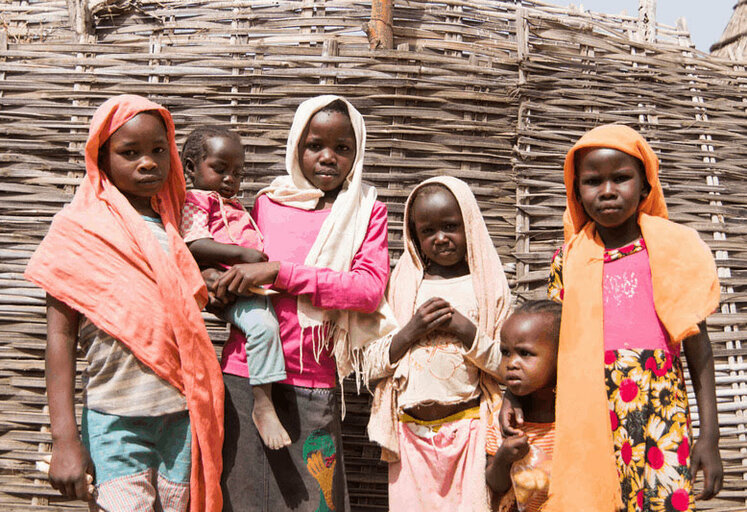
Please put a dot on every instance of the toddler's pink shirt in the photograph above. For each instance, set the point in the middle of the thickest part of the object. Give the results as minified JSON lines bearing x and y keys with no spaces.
{"x":289,"y":234}
{"x":208,"y":215}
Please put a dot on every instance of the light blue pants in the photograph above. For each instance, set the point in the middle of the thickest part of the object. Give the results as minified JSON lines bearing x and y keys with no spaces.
{"x":141,"y":462}
{"x":255,"y":317}
{"x":127,"y":445}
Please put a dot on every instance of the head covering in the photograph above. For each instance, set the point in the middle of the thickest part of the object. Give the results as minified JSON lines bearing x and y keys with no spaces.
{"x":339,"y":239}
{"x":685,"y":289}
{"x":491,"y":292}
{"x":102,"y":260}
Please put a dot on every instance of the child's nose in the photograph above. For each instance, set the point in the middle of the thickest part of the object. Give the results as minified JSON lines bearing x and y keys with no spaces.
{"x":608,"y":189}
{"x":327,"y":155}
{"x":147,"y":163}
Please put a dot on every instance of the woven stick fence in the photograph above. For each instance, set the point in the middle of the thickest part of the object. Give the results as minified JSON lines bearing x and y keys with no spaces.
{"x":491,"y":92}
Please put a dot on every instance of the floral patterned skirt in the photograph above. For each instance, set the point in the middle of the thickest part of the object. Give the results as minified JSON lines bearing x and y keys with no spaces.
{"x":651,"y":429}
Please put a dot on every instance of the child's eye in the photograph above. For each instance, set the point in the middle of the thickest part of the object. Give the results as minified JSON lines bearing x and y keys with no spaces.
{"x":525,"y":353}
{"x":159,"y":150}
{"x":313,"y":146}
{"x":504,"y":352}
{"x":129,"y":153}
{"x":343,"y":148}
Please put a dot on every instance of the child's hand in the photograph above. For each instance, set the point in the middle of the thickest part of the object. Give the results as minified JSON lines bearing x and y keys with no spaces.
{"x":241,"y":277}
{"x":705,"y":455}
{"x":462,"y":327}
{"x":211,"y":276}
{"x":511,"y":415}
{"x":248,"y":255}
{"x":71,"y":470}
{"x":513,"y":448}
{"x":434,"y":313}
{"x":215,"y":305}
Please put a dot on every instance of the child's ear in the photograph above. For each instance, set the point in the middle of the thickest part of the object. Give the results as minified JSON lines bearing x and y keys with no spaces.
{"x":189,"y":168}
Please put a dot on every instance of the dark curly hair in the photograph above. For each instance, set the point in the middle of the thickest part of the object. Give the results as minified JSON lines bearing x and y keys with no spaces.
{"x":336,"y":106}
{"x":195,"y":147}
{"x":543,"y":306}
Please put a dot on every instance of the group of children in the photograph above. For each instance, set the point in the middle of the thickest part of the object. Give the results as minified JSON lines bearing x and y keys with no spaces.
{"x":579,"y":406}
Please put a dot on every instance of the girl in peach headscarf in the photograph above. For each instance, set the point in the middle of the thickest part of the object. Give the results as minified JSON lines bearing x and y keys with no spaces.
{"x":121,"y":283}
{"x":634,"y":286}
{"x":437,"y":372}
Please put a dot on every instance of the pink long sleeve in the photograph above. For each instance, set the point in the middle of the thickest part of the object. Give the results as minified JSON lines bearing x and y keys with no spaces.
{"x":289,"y":234}
{"x":359,"y":289}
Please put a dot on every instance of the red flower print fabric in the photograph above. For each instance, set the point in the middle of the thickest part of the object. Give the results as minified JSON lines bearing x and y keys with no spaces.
{"x":651,"y":429}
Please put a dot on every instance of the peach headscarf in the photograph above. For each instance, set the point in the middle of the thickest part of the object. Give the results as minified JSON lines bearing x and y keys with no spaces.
{"x":101,"y":259}
{"x":493,"y":304}
{"x":685,"y":288}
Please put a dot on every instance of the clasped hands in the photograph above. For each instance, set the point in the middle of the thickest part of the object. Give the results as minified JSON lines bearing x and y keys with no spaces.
{"x":224,"y":286}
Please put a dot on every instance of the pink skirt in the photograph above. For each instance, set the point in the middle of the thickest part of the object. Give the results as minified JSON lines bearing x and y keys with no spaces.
{"x":441,"y":471}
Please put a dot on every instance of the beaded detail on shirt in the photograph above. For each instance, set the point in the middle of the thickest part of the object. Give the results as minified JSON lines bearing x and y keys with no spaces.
{"x":555,"y":289}
{"x":626,"y":250}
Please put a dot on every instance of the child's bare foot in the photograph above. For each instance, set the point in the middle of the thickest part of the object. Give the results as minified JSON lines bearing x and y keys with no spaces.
{"x":266,"y":419}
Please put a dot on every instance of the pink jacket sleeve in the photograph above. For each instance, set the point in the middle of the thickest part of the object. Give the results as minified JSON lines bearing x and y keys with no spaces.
{"x":359,"y":289}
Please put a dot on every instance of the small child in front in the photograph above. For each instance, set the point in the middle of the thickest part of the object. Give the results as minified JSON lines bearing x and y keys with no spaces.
{"x":121,"y":283}
{"x":634,"y":286}
{"x":219,"y":231}
{"x":529,"y":349}
{"x":450,"y":297}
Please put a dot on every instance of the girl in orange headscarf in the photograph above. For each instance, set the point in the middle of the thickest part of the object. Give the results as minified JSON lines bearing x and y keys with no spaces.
{"x":121,"y":283}
{"x":634,"y":286}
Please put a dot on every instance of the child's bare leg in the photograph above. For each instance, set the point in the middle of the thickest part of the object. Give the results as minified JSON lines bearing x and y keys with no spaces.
{"x":266,"y":419}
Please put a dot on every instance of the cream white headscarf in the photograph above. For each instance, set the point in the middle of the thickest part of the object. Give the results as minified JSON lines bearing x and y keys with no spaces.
{"x":493,"y":304}
{"x":339,"y":239}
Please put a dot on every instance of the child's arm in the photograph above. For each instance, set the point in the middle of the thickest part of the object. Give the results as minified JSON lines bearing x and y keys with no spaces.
{"x":207,"y":251}
{"x":498,"y":470}
{"x":511,"y":415}
{"x":359,"y":289}
{"x":705,"y":452}
{"x":70,"y":460}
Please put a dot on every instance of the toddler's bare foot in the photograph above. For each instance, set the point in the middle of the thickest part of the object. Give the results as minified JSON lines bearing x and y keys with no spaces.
{"x":266,"y":420}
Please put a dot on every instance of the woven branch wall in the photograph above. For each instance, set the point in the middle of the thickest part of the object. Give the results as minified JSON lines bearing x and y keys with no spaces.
{"x":491,"y":92}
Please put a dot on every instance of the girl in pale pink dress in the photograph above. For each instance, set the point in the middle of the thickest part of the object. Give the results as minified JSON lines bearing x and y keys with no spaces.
{"x":436,"y":373}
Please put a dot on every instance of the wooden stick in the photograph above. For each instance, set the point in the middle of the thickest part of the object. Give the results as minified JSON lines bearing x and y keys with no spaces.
{"x":379,"y":29}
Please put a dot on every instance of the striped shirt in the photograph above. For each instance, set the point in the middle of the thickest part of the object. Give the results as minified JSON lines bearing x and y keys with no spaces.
{"x":541,"y":435}
{"x":115,"y":381}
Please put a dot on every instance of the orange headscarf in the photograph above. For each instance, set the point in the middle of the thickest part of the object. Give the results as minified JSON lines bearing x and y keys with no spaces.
{"x":101,"y":259}
{"x":685,"y":289}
